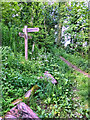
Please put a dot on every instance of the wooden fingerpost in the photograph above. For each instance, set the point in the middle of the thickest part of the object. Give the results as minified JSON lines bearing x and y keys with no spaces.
{"x":26,"y":36}
{"x":26,"y":43}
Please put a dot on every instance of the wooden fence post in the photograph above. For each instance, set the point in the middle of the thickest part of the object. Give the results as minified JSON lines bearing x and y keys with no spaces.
{"x":26,"y":43}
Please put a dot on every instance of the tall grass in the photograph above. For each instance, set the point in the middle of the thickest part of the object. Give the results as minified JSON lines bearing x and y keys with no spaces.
{"x":11,"y":38}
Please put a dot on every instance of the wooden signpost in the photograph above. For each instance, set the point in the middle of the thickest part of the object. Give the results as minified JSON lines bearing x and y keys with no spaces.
{"x":25,"y":35}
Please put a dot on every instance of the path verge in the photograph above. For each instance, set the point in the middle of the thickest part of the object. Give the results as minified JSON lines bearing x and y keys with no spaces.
{"x":74,"y":67}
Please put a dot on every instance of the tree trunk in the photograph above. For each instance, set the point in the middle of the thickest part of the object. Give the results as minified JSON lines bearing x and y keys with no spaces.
{"x":59,"y":34}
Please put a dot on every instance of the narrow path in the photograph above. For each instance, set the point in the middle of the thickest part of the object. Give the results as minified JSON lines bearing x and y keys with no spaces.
{"x":76,"y":68}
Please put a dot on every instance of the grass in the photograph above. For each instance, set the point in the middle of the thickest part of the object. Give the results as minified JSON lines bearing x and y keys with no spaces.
{"x":75,"y":59}
{"x":49,"y":101}
{"x":82,"y":87}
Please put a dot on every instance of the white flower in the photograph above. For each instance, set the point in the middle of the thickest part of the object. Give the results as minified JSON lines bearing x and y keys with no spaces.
{"x":85,"y":44}
{"x":56,"y":40}
{"x":38,"y":77}
{"x":55,"y":33}
{"x":16,"y":14}
{"x":67,"y":42}
{"x":13,"y":9}
{"x":13,"y":15}
{"x":55,"y":26}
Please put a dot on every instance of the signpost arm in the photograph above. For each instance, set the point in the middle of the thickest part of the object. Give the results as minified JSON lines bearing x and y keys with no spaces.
{"x":26,"y":43}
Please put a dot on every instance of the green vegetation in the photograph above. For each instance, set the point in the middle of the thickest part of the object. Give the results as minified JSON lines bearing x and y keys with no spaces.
{"x":50,"y":100}
{"x":75,"y":59}
{"x":69,"y":97}
{"x":15,"y":15}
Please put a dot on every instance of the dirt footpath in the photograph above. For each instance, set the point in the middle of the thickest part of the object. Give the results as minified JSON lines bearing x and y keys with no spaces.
{"x":74,"y":67}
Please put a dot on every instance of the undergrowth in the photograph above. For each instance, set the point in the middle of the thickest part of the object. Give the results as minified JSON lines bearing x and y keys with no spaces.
{"x":75,"y":58}
{"x":49,"y":101}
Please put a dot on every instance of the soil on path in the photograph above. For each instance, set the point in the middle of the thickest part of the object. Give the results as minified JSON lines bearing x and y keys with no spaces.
{"x":74,"y":67}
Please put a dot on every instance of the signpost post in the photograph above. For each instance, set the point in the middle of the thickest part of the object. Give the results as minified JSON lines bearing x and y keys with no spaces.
{"x":25,"y":35}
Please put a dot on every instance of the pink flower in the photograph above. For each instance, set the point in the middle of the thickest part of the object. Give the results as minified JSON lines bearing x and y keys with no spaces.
{"x":41,"y":77}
